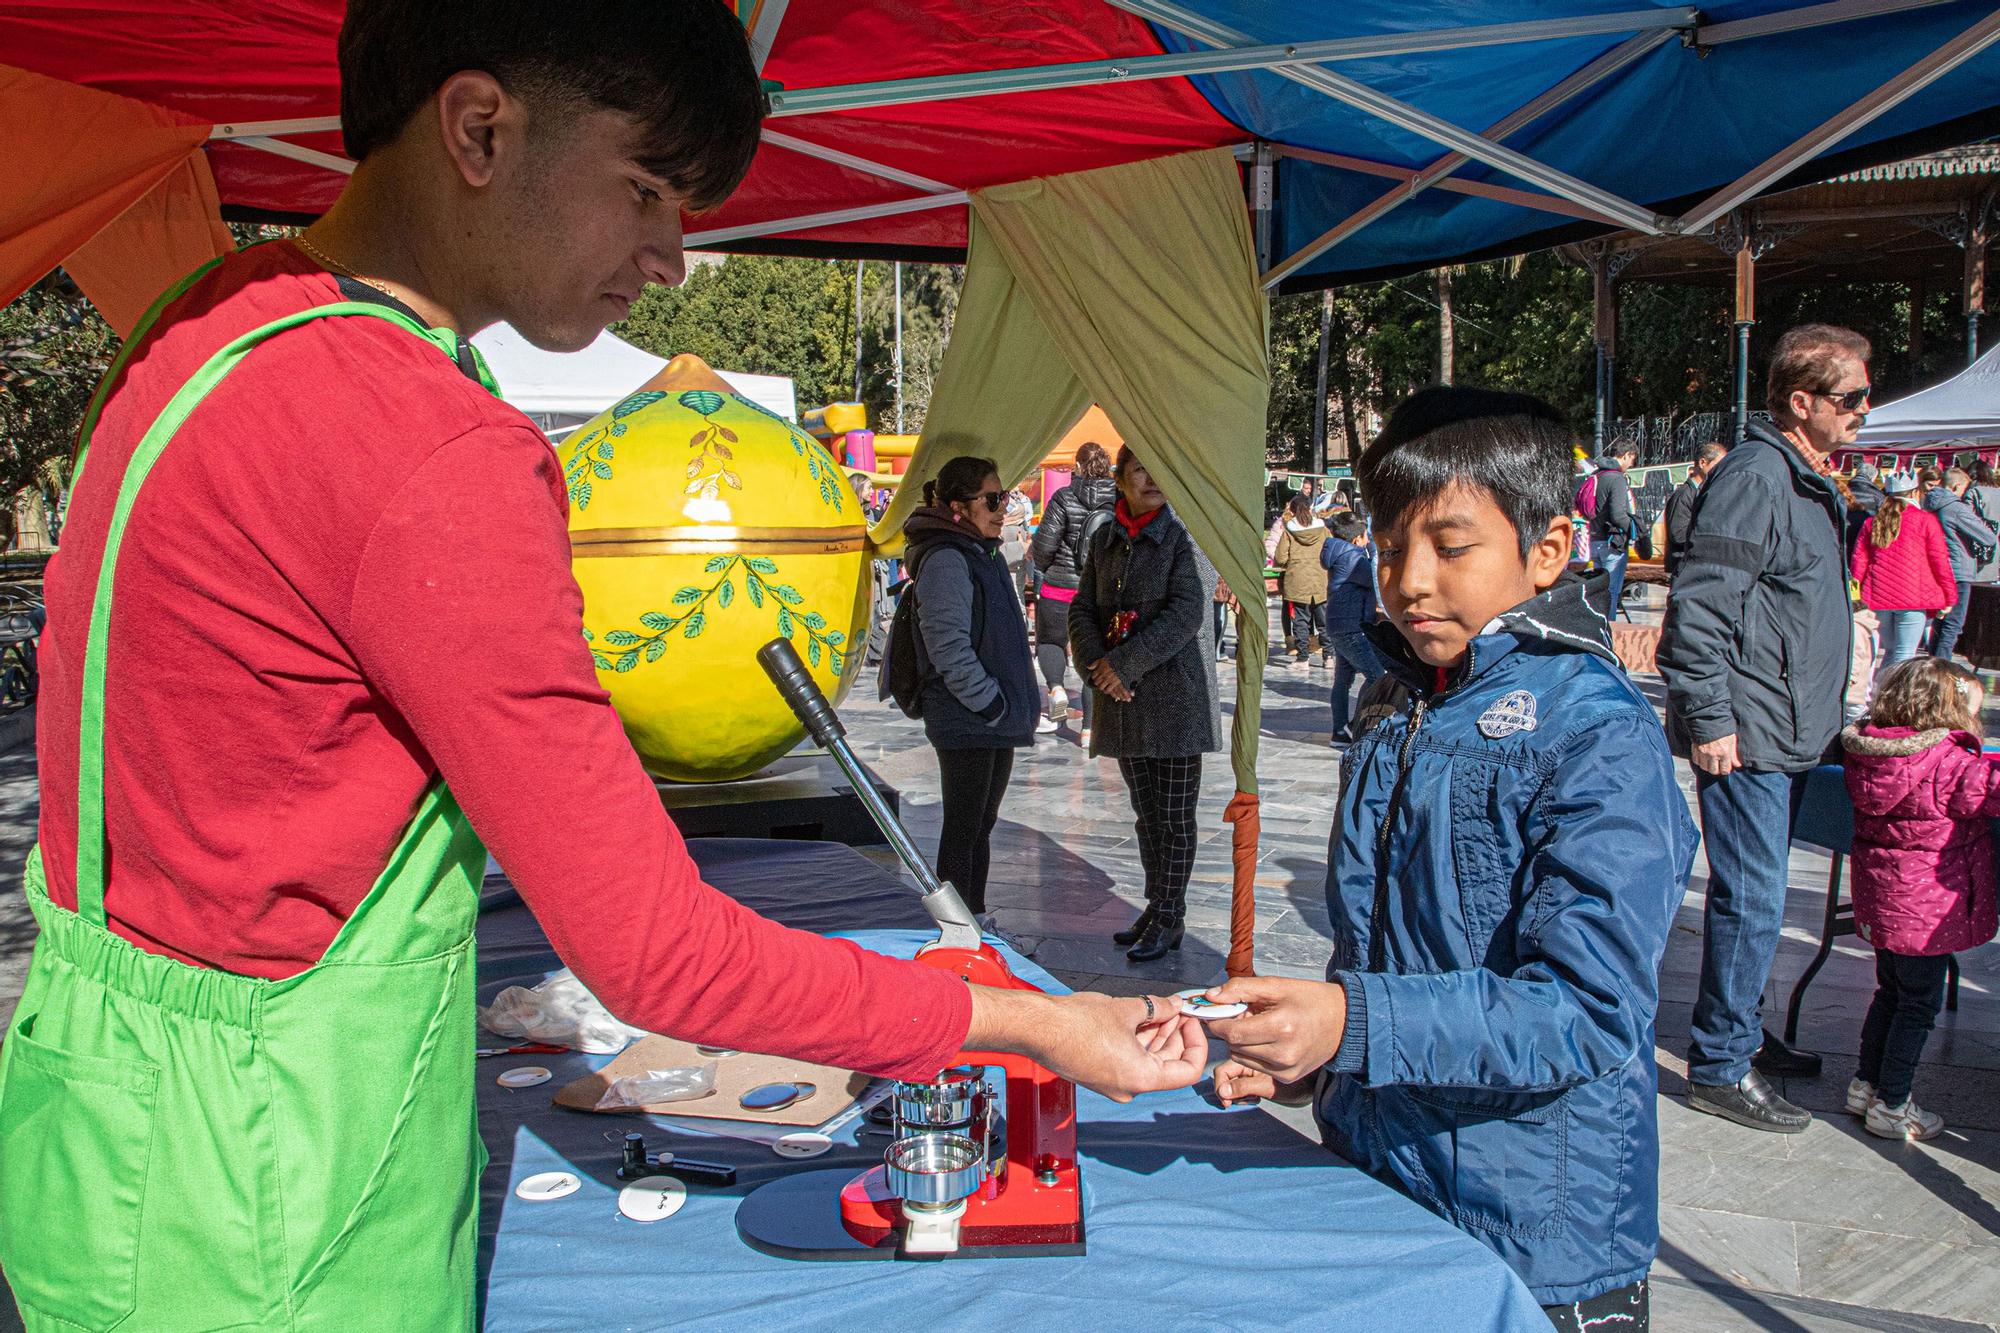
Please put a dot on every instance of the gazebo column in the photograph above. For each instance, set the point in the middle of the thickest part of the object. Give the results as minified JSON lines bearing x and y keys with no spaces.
{"x":1746,"y":319}
{"x":1975,"y":273}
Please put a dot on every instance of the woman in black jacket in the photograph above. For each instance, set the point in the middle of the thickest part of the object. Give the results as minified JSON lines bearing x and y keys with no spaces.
{"x":972,"y":648}
{"x":1060,"y":542}
{"x":1136,"y":627}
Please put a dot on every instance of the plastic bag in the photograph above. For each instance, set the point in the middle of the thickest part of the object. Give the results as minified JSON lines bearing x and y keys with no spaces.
{"x":635,"y":1091}
{"x":561,"y":1010}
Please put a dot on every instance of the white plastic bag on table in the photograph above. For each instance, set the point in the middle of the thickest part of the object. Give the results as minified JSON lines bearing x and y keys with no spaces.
{"x":560,"y":1011}
{"x":634,"y":1091}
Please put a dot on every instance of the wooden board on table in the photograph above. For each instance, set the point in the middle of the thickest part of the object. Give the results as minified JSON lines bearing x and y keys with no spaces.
{"x":734,"y":1076}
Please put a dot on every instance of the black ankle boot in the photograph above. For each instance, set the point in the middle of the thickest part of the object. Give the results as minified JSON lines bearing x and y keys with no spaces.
{"x":1132,"y":932}
{"x":1159,"y":938}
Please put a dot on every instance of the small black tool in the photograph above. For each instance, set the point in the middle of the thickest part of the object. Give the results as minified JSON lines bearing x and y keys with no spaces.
{"x":638,"y":1162}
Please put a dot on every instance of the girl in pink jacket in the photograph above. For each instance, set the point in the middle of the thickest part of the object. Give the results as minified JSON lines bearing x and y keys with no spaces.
{"x":1924,"y":870}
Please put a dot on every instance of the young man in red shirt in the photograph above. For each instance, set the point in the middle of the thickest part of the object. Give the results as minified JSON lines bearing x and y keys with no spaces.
{"x":346,"y":652}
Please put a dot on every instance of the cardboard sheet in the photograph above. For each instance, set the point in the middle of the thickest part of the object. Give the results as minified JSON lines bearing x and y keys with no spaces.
{"x":734,"y":1076}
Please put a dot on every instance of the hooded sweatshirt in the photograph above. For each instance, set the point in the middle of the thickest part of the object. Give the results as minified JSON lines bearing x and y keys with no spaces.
{"x":1923,"y":851}
{"x":1302,"y":577}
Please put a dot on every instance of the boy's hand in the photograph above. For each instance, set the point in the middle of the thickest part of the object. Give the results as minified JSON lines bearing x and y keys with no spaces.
{"x":1237,"y":1082}
{"x":1293,"y":1026}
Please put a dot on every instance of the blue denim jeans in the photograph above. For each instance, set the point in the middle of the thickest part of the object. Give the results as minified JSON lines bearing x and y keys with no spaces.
{"x":1909,"y":992}
{"x":1902,"y":636}
{"x":1613,"y":558}
{"x":1945,"y":637}
{"x":1746,"y":822}
{"x":1353,"y":655}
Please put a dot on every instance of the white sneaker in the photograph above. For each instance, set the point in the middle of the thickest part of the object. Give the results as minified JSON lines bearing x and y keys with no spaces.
{"x":1085,"y":739}
{"x":1044,"y":725}
{"x":1908,"y":1121}
{"x":1860,"y":1096}
{"x":1058,"y":704}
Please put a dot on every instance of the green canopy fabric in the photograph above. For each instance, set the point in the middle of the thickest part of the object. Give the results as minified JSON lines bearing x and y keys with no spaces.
{"x":1134,"y":287}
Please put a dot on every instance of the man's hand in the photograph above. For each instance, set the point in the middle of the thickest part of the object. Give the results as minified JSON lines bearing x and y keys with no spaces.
{"x":1106,"y":680}
{"x":1293,"y":1026}
{"x":1717,"y":757}
{"x":1107,"y":1044}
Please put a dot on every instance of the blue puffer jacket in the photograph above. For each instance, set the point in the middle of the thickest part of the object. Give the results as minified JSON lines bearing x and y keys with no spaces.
{"x":1520,"y":839}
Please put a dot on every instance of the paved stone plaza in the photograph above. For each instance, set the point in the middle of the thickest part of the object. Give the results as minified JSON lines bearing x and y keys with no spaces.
{"x":1828,"y":1230}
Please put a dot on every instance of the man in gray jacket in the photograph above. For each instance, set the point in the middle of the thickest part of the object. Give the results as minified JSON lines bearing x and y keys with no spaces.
{"x":1611,"y":528}
{"x":1755,"y":652}
{"x":1969,"y":540}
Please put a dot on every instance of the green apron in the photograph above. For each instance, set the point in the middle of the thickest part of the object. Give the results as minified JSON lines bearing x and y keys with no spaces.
{"x":186,"y":1148}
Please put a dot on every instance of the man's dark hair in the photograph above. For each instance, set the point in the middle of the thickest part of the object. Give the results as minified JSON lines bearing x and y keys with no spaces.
{"x":1808,"y":358}
{"x":1512,"y":445}
{"x":1982,"y":473}
{"x":1710,"y":451}
{"x":1347,"y":527}
{"x":681,"y":68}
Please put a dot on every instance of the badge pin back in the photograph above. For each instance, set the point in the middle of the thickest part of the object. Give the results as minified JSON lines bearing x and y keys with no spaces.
{"x":652,"y":1198}
{"x":1196,"y":1002}
{"x":803,"y":1144}
{"x":547,"y":1185}
{"x":527,"y":1076}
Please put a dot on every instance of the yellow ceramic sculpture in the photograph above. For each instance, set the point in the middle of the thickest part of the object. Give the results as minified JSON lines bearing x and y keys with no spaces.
{"x":702,"y":527}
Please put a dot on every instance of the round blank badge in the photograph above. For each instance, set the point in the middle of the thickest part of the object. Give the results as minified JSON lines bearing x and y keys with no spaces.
{"x":652,"y":1198}
{"x":1196,"y":1002}
{"x":803,"y":1144}
{"x":527,"y":1076}
{"x":547,"y":1185}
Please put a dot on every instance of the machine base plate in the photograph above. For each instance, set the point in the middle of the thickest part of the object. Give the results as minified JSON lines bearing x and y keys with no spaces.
{"x":798,"y":1217}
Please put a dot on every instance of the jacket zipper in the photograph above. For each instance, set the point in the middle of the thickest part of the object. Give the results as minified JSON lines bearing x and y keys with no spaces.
{"x":1377,"y":946}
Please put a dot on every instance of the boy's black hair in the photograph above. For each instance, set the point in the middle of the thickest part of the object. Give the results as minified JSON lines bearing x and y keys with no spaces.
{"x":681,"y":68}
{"x":1514,"y":446}
{"x":1347,"y":527}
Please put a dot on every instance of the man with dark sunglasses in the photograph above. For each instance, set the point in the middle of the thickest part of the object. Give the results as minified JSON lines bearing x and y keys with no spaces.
{"x":1755,"y":652}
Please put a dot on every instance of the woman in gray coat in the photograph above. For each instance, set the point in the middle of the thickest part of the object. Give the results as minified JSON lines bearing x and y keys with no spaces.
{"x":1138,"y":630}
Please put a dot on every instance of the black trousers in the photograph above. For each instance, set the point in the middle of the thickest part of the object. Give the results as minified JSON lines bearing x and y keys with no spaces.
{"x":1909,"y":992}
{"x":972,"y":784}
{"x":1620,"y":1310}
{"x":1052,"y":648}
{"x":1308,"y":619}
{"x":1164,"y":795}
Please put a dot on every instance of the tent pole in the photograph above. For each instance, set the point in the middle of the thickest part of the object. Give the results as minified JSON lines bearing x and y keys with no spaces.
{"x":899,"y":347}
{"x":1845,"y":122}
{"x":1199,"y":27}
{"x":838,"y":158}
{"x":1262,"y":171}
{"x":1617,"y":58}
{"x":859,"y":265}
{"x":808,"y":221}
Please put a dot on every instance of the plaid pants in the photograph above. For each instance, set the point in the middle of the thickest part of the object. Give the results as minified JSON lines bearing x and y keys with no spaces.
{"x":1164,"y":794}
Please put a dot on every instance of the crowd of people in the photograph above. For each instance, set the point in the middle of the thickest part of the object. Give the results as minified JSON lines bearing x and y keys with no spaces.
{"x":1471,"y":582}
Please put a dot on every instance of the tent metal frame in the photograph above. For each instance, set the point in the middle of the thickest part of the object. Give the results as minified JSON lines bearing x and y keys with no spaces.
{"x":1303,"y":63}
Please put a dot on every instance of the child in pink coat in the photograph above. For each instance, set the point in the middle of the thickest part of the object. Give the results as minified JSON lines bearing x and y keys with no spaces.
{"x":1924,"y":870}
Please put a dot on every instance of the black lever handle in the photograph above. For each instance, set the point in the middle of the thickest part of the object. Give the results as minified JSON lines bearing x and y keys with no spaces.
{"x":799,"y":690}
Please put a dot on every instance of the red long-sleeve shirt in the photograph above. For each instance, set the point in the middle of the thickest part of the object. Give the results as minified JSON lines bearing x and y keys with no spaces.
{"x":349,"y":572}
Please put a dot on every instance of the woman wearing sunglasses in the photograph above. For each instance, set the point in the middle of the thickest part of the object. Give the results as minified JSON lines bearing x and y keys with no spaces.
{"x":1139,"y":629}
{"x":979,"y":699}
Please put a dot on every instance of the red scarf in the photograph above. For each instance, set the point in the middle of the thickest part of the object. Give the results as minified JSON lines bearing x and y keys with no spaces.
{"x":1134,"y":526}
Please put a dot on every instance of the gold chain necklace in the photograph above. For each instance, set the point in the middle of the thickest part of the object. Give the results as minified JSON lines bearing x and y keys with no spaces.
{"x":329,"y":261}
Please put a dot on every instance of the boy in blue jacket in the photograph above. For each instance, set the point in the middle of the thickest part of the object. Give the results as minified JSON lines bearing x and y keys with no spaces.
{"x":1510,"y":849}
{"x":1350,"y":609}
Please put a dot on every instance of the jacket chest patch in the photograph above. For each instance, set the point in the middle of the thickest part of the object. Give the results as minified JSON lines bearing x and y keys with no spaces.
{"x":1508,"y":715}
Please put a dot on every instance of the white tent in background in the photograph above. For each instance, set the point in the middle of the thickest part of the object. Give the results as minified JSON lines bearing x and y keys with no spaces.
{"x":1961,"y":413}
{"x":562,"y":390}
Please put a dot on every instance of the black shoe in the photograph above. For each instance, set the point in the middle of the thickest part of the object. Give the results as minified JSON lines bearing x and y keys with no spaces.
{"x":1158,"y":940}
{"x":1751,"y":1102}
{"x":1782,"y":1061}
{"x":1131,"y":933}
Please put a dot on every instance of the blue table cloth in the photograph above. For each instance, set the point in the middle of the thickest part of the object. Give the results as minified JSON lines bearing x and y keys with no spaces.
{"x":1195,"y":1217}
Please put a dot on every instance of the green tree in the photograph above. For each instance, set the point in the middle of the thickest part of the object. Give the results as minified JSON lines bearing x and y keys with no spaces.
{"x":54,"y":347}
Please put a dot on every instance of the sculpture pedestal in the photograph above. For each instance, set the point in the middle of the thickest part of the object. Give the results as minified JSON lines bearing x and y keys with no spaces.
{"x":802,"y":796}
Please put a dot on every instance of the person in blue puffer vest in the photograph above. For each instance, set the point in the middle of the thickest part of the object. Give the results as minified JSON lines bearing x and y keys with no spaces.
{"x":1509,"y":851}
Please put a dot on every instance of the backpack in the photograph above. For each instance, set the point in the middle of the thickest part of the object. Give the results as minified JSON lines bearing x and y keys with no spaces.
{"x":1093,"y":523}
{"x":905,"y":667}
{"x":1586,"y":497}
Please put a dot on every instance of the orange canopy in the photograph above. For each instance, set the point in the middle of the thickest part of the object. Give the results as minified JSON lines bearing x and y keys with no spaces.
{"x":1092,"y":425}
